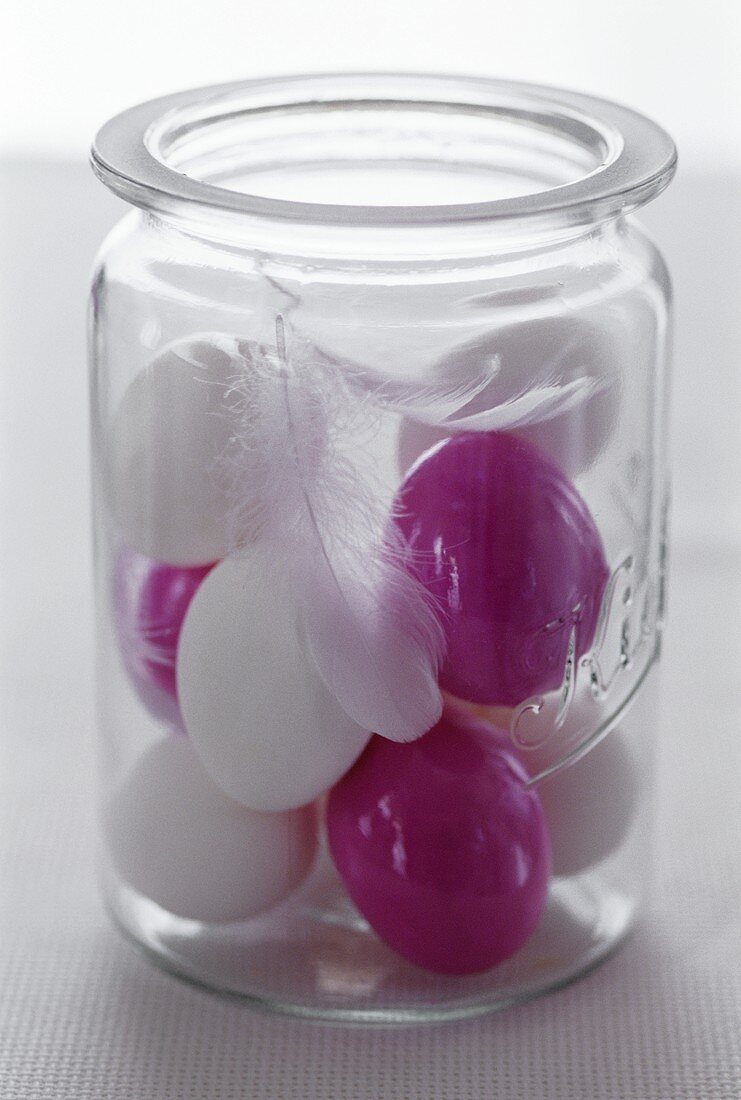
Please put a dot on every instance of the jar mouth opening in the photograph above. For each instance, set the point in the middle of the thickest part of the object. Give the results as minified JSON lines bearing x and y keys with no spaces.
{"x":385,"y":151}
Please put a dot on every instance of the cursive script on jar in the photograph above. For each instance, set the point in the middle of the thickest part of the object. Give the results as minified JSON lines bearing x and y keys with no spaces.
{"x":630,"y":618}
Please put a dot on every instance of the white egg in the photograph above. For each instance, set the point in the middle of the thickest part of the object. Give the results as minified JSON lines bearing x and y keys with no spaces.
{"x":591,"y":804}
{"x":391,"y":332}
{"x":172,"y":446}
{"x":179,"y":840}
{"x":569,"y":368}
{"x":263,"y":723}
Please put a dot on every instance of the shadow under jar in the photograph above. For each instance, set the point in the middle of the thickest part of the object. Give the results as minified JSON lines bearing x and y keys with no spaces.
{"x":378,"y":398}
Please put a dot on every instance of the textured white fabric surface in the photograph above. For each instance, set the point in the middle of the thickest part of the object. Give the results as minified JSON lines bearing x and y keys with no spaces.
{"x":83,"y":1017}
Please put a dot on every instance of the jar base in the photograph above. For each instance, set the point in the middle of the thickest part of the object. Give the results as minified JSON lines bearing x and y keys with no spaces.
{"x":315,"y":957}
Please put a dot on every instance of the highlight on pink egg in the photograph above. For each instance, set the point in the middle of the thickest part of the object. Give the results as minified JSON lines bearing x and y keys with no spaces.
{"x":502,"y":538}
{"x":442,"y":846}
{"x":150,"y":600}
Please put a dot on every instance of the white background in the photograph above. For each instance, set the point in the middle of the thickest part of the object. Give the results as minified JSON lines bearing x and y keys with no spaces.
{"x":81,"y":1018}
{"x":68,"y":66}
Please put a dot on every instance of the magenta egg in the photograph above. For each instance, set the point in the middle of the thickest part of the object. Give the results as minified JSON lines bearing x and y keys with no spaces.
{"x":151,"y":599}
{"x":504,"y":540}
{"x":442,"y":846}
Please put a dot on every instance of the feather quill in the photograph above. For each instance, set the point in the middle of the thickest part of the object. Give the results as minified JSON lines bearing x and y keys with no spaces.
{"x":303,"y":488}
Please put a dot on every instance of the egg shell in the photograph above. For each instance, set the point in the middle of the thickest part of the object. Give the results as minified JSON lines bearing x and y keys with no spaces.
{"x":172,"y":442}
{"x":499,"y":717}
{"x":504,"y":541}
{"x":536,"y":355}
{"x":573,"y":438}
{"x":442,"y":846}
{"x":150,"y":602}
{"x":549,"y":351}
{"x":180,"y":841}
{"x":263,"y":723}
{"x":591,"y":804}
{"x":436,"y":336}
{"x":540,"y":732}
{"x":383,"y":331}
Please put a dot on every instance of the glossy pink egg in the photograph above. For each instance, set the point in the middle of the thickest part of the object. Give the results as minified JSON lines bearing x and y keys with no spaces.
{"x":151,"y":599}
{"x":442,"y":846}
{"x":502,"y":537}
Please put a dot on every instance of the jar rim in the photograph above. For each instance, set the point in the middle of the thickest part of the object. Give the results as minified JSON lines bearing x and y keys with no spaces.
{"x":633,"y":158}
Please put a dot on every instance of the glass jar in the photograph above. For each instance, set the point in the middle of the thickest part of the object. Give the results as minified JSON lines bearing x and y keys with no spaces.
{"x":379,"y":370}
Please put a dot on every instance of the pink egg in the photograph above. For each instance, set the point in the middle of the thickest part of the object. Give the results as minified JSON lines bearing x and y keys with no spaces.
{"x":442,"y":847}
{"x":563,"y":437}
{"x":151,"y":599}
{"x":501,"y":536}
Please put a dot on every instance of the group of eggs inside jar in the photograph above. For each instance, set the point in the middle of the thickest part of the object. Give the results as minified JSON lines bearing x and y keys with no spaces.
{"x":441,"y":840}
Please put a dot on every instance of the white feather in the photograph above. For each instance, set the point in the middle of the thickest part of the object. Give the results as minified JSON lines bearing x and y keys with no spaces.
{"x":539,"y":403}
{"x":302,"y":486}
{"x":429,"y":403}
{"x":488,"y":400}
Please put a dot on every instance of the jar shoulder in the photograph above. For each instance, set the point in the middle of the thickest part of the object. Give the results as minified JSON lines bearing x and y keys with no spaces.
{"x":644,"y":251}
{"x":144,"y":257}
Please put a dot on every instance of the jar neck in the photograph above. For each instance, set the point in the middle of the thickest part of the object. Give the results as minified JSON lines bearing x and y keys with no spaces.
{"x":444,"y":249}
{"x":385,"y":169}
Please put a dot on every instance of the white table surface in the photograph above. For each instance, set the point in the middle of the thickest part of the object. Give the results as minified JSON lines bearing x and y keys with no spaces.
{"x":83,"y":1017}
